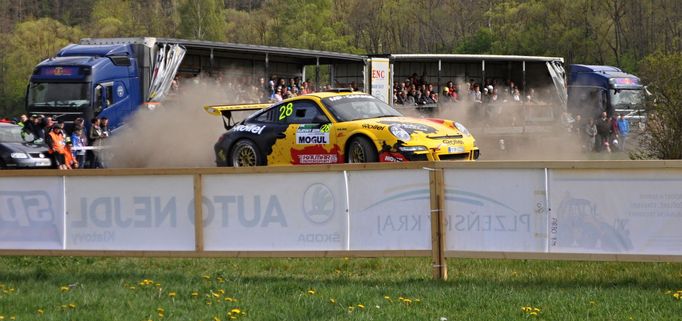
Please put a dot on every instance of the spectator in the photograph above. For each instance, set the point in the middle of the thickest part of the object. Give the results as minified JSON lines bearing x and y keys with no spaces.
{"x":624,"y":128}
{"x":603,"y":133}
{"x":37,"y":128}
{"x":277,"y":97}
{"x":516,"y":97}
{"x":590,"y":135}
{"x":48,"y":122}
{"x":94,"y":138}
{"x":78,"y":141}
{"x":615,"y":133}
{"x":56,"y":143}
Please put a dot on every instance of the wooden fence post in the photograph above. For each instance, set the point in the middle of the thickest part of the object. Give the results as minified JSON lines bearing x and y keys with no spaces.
{"x":437,"y":187}
{"x":198,"y":214}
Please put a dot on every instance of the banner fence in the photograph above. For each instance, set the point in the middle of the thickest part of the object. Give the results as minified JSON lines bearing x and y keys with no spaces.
{"x":629,"y":210}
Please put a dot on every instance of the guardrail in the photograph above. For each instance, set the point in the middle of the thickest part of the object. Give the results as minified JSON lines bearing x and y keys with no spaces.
{"x":595,"y":210}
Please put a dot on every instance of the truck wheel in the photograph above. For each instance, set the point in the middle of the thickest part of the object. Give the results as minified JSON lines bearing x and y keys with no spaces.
{"x":245,"y":153}
{"x":361,"y":150}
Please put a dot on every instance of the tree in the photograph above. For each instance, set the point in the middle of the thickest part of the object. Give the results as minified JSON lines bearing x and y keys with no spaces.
{"x":661,"y":140}
{"x":30,"y":42}
{"x":203,"y":20}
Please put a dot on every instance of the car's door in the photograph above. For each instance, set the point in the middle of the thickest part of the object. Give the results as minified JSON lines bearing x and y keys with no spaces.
{"x":309,"y":138}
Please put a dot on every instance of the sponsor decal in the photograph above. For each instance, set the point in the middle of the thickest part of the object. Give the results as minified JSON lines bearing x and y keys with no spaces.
{"x":27,"y":216}
{"x":579,"y":224}
{"x":119,"y":91}
{"x":318,"y":204}
{"x":313,"y":153}
{"x":310,"y":136}
{"x":318,"y":159}
{"x":411,"y":127}
{"x":373,"y":127}
{"x":392,"y":157}
{"x":249,"y":128}
{"x":453,"y":141}
{"x":354,"y":96}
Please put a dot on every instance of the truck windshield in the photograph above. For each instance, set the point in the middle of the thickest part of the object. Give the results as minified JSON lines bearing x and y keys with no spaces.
{"x":626,"y":98}
{"x":50,"y":94}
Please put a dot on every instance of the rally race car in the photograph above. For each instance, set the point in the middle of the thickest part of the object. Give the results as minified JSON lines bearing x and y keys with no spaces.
{"x":336,"y":127}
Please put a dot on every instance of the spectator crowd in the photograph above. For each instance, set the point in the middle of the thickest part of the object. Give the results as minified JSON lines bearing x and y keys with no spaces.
{"x":415,"y":91}
{"x":77,"y":146}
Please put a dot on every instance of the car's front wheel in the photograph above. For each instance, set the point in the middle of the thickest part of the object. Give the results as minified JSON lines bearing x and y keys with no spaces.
{"x":361,"y":150}
{"x":245,"y":153}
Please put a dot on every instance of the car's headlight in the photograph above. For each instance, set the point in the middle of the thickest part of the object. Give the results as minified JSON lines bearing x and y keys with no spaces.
{"x":462,"y":129}
{"x":19,"y":155}
{"x":400,"y":133}
{"x":412,"y":148}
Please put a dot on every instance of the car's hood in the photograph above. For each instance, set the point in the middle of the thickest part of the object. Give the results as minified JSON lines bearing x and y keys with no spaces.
{"x":25,"y":147}
{"x":429,"y":127}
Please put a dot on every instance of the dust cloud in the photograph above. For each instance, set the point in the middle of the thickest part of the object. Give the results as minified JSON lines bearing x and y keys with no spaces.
{"x":179,"y":133}
{"x":512,"y":131}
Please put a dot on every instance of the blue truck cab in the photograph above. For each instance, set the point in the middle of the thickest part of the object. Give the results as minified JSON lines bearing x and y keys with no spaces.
{"x":90,"y":80}
{"x":596,"y":89}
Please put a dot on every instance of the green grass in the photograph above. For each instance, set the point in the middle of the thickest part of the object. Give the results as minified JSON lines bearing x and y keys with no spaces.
{"x":324,"y":289}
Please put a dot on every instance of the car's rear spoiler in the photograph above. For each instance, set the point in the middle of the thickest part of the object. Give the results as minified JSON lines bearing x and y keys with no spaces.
{"x":218,"y":110}
{"x":226,"y":111}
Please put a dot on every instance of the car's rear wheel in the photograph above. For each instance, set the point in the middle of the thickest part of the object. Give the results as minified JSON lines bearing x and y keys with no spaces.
{"x":361,"y":150}
{"x":245,"y":153}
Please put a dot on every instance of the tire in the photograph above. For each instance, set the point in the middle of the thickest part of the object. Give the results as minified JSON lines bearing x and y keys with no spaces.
{"x":361,"y":150}
{"x":245,"y":153}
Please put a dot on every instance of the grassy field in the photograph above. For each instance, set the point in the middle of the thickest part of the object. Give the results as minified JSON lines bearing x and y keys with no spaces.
{"x":65,"y":288}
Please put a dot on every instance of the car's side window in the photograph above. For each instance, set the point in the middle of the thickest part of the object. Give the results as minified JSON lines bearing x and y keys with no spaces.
{"x":268,"y":116}
{"x":301,"y":112}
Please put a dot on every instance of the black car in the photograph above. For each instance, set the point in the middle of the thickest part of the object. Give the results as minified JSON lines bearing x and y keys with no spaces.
{"x":19,"y":149}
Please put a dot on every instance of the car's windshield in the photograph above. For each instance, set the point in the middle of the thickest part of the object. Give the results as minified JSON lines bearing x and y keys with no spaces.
{"x":50,"y":94}
{"x":14,"y":134}
{"x":358,"y":106}
{"x":626,"y":97}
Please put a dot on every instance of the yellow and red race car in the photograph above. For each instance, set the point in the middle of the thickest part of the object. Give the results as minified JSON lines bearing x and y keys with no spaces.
{"x":336,"y":127}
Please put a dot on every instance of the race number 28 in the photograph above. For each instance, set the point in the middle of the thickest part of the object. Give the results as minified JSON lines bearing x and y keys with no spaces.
{"x":286,"y":110}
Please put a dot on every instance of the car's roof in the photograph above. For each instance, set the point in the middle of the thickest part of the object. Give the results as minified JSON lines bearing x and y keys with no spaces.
{"x":8,"y":125}
{"x":327,"y":94}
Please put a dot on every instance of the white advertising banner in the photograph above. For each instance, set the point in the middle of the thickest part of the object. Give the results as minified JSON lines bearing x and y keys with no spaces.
{"x":275,"y":212}
{"x":146,"y":213}
{"x":629,"y":211}
{"x":31,"y":213}
{"x":381,"y":80}
{"x":390,"y":210}
{"x":495,"y":210}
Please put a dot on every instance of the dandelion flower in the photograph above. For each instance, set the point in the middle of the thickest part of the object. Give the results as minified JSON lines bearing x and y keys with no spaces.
{"x":64,"y":289}
{"x":311,"y":292}
{"x":236,"y":311}
{"x":172,"y":294}
{"x":41,"y":311}
{"x":332,"y":301}
{"x":216,"y":319}
{"x":195,"y":294}
{"x":361,"y":306}
{"x":72,"y":305}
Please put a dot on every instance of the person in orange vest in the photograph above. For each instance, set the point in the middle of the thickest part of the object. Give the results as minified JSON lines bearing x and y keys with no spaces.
{"x":57,"y":145}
